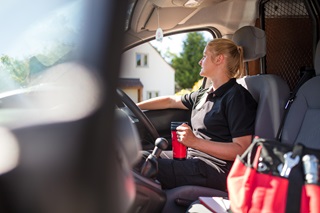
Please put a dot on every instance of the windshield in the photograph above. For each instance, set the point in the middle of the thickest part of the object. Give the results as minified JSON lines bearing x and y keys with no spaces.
{"x":34,"y":38}
{"x":39,"y":46}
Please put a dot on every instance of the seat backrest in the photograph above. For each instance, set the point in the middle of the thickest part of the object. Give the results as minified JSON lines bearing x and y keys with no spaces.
{"x":302,"y":124}
{"x":270,"y":91}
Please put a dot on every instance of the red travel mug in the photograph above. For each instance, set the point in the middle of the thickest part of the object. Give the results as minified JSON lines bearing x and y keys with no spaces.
{"x":179,"y":150}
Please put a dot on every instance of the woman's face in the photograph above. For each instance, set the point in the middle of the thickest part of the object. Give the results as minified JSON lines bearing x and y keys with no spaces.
{"x":206,"y":63}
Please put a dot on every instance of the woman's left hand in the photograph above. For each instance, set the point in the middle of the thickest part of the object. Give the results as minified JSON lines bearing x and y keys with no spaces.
{"x":185,"y":135}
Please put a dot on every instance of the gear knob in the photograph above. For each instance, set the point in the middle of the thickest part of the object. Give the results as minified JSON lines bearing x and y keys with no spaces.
{"x":161,"y":143}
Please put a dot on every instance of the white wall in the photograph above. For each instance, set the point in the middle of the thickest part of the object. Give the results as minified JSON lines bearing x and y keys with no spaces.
{"x":158,"y":76}
{"x":132,"y":93}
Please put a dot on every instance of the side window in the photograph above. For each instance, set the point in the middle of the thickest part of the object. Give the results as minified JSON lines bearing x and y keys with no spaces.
{"x":163,"y":68}
{"x":141,"y":60}
{"x":145,"y":60}
{"x":138,"y":60}
{"x":152,"y":94}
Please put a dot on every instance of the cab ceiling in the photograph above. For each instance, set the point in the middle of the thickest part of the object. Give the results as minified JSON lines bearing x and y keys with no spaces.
{"x":151,"y":14}
{"x":172,"y":16}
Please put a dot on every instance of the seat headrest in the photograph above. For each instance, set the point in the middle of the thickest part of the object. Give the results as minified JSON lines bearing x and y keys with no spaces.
{"x":317,"y":60}
{"x":253,"y":42}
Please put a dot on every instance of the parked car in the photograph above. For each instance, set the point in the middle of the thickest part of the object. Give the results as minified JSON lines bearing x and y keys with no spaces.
{"x":71,"y":135}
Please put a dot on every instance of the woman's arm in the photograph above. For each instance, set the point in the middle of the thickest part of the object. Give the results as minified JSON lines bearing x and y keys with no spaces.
{"x":163,"y":102}
{"x":224,"y":151}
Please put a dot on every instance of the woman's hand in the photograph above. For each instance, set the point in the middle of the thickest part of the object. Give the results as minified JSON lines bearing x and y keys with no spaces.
{"x":222,"y":150}
{"x":185,"y":135}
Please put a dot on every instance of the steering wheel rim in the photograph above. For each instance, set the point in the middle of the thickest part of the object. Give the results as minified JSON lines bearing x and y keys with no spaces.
{"x":139,"y":114}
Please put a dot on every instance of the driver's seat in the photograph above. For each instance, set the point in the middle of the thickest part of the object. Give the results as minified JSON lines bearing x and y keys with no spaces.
{"x":270,"y":91}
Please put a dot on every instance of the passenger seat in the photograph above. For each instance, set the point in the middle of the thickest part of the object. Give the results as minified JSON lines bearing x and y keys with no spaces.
{"x":302,"y":124}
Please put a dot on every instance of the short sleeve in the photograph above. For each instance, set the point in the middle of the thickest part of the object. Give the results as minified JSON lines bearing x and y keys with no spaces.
{"x":190,"y":99}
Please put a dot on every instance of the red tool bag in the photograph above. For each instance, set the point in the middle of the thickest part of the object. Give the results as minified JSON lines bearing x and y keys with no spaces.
{"x":275,"y":177}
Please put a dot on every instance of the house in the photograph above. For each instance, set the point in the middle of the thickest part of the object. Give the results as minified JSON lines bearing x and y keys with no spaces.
{"x":145,"y":74}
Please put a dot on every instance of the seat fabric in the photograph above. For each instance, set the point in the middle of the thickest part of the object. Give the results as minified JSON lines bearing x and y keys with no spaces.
{"x":253,"y":42}
{"x":271,"y":93}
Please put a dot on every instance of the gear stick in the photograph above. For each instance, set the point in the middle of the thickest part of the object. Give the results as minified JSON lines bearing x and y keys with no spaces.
{"x":150,"y":166}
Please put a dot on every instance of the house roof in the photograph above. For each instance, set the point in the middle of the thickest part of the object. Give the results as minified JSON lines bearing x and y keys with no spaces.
{"x":130,"y":82}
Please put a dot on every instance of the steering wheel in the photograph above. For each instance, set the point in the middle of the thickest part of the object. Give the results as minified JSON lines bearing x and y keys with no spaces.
{"x":139,"y":114}
{"x":150,"y":167}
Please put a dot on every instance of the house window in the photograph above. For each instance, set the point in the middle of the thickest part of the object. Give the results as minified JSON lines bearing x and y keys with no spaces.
{"x":152,"y":94}
{"x":141,"y":60}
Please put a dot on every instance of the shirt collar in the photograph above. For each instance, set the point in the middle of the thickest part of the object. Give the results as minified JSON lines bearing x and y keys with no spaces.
{"x":223,"y":88}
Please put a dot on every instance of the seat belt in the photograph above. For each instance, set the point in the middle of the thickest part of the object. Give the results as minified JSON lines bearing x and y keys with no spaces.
{"x":305,"y":74}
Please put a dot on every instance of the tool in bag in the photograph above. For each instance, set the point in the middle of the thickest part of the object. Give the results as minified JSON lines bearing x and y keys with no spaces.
{"x":274,"y":177}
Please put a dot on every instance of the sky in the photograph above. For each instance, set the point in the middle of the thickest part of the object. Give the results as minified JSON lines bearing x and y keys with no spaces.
{"x":172,"y":44}
{"x":34,"y":27}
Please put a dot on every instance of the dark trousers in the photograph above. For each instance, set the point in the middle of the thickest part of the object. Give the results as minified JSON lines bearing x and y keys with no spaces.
{"x":173,"y":173}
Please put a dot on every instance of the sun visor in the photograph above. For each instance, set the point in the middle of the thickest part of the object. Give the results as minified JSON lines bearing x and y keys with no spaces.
{"x":170,"y":16}
{"x":151,"y":18}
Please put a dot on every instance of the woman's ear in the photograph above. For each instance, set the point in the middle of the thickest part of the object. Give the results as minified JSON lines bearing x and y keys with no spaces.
{"x":219,"y":59}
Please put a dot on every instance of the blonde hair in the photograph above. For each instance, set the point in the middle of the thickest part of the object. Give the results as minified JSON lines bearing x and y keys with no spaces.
{"x":233,"y":53}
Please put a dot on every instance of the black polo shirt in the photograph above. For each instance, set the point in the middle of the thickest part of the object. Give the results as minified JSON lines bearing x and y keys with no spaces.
{"x":226,"y":113}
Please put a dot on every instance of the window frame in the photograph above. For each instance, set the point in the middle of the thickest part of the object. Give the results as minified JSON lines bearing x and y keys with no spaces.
{"x":144,"y":59}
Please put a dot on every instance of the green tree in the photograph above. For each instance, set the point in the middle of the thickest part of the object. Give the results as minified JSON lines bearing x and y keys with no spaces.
{"x":187,"y":64}
{"x":18,"y":69}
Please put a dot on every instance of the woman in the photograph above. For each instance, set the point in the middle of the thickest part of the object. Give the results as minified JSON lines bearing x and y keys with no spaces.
{"x":222,"y":121}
